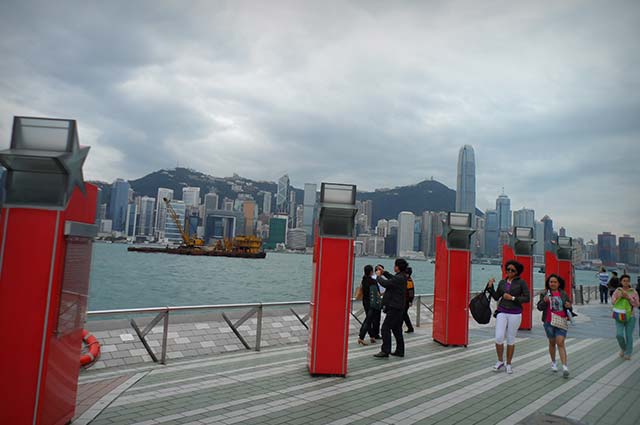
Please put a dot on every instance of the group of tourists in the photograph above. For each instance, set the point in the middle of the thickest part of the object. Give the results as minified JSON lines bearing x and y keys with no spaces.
{"x":393,"y":294}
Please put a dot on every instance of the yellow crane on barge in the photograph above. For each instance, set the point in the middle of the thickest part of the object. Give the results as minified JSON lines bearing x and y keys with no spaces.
{"x":240,"y":246}
{"x":188,"y":240}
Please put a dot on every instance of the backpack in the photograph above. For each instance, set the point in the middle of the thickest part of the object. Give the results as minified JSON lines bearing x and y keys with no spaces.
{"x":410,"y":293}
{"x":622,"y":310}
{"x":375,"y":299}
{"x":480,"y":307}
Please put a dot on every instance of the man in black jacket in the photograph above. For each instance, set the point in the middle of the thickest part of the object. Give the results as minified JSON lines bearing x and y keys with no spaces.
{"x":393,"y":304}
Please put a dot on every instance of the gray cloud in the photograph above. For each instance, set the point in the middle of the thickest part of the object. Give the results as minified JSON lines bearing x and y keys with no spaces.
{"x":365,"y":92}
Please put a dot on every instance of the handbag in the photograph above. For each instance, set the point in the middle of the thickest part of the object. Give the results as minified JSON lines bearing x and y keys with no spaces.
{"x":480,"y":307}
{"x":559,"y":322}
{"x":359,"y":293}
{"x":622,"y":310}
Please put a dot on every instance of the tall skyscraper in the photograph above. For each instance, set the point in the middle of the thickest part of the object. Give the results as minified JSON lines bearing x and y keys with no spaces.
{"x":250,"y":212}
{"x":417,"y":234}
{"x":406,"y":221}
{"x":211,"y":201}
{"x":538,"y":248}
{"x":480,"y":234}
{"x":524,"y":217}
{"x":382,"y":228}
{"x":118,"y":205}
{"x":364,"y":214}
{"x":466,"y":182}
{"x":191,"y":196}
{"x":433,"y":225}
{"x":392,"y":227}
{"x":171,"y":232}
{"x":607,"y":248}
{"x":161,"y":211}
{"x":266,"y":203}
{"x":282,"y":197}
{"x":562,"y":231}
{"x":491,"y":232}
{"x":503,"y":208}
{"x":131,"y":225}
{"x":308,"y":213}
{"x":145,"y":226}
{"x":292,"y":209}
{"x":548,"y":232}
{"x":627,"y":246}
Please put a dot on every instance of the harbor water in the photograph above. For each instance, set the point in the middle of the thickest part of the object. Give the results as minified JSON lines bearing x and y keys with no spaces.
{"x":121,"y":279}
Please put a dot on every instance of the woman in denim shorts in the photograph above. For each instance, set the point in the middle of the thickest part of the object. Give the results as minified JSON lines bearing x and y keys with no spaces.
{"x":554,"y":301}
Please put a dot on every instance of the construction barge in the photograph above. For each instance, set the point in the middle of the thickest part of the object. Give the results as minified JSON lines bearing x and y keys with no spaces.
{"x":237,"y":247}
{"x":198,"y":251}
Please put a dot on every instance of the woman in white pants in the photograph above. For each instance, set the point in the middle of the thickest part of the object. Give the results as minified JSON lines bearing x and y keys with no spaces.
{"x":512,"y":292}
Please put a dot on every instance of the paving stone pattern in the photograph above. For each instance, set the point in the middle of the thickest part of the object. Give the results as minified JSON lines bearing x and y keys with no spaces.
{"x":120,"y":347}
{"x":431,"y":385}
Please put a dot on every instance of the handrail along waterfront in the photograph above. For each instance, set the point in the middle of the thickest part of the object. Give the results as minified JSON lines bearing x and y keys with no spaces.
{"x":583,"y":294}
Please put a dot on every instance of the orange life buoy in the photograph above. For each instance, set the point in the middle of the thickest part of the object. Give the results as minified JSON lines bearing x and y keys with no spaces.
{"x":94,"y":348}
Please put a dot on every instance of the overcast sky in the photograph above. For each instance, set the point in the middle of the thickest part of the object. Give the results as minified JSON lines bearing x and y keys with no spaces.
{"x":372,"y":93}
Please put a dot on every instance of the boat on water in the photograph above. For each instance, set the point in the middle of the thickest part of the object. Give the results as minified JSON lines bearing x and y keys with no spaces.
{"x":238,"y":247}
{"x":198,"y":251}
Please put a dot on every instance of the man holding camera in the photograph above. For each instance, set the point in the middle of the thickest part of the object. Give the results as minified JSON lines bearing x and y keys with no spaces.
{"x":393,"y":304}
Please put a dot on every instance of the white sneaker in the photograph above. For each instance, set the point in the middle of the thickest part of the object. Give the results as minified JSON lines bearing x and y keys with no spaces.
{"x":509,"y":370}
{"x":554,"y":366}
{"x":499,"y":365}
{"x":565,"y":371}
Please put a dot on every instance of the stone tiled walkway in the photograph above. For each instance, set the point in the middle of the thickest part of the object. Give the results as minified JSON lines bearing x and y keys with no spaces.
{"x":432,"y":384}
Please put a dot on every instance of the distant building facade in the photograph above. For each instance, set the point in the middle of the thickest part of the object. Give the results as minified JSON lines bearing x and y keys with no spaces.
{"x":466,"y":181}
{"x":161,"y":211}
{"x":503,"y":209}
{"x":524,"y":218}
{"x":118,"y":205}
{"x":406,"y":221}
{"x":282,"y":196}
{"x":191,"y":196}
{"x":309,"y":211}
{"x":607,"y":248}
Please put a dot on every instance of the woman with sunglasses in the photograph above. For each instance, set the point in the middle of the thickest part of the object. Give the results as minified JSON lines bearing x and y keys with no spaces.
{"x":512,"y":292}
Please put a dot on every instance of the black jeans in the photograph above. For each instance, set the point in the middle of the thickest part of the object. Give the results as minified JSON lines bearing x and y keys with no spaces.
{"x":371,"y":324}
{"x":392,"y":323}
{"x":604,"y":293}
{"x":407,"y":320}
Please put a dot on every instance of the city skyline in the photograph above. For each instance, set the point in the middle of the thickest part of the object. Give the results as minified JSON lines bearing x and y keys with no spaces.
{"x":509,"y":217}
{"x":320,"y":91}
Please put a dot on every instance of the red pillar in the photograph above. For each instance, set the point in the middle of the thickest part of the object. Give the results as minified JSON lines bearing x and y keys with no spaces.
{"x":43,"y":302}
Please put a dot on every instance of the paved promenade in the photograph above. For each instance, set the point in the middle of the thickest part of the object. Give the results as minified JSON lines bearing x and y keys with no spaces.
{"x":431,"y":385}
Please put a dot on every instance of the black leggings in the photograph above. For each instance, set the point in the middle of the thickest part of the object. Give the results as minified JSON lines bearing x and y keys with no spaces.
{"x":371,"y":324}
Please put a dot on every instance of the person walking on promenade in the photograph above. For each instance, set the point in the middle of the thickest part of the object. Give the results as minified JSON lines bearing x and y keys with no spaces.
{"x":554,"y":304}
{"x":409,"y":295}
{"x":603,"y":278}
{"x":372,"y":303}
{"x":624,"y":300}
{"x":512,"y":292}
{"x":614,"y":283}
{"x":393,"y":304}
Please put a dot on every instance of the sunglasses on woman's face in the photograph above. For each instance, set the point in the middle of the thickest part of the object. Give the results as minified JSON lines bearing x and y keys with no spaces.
{"x":511,"y":270}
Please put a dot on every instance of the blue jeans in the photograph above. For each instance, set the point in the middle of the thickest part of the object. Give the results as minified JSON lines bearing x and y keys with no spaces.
{"x":553,"y":332}
{"x":624,"y":335}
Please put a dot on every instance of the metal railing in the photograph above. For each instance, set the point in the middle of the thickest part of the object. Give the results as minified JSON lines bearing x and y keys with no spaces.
{"x":582,"y":295}
{"x":163,"y":314}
